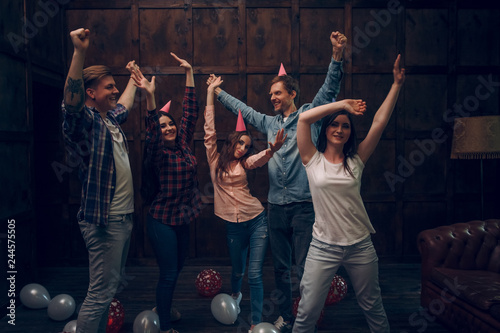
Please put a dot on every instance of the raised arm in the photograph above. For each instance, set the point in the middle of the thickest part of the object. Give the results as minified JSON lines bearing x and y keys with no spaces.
{"x":210,"y":134}
{"x":147,"y":86}
{"x":74,"y":92}
{"x":188,"y":68}
{"x":306,"y":146}
{"x":382,"y":116}
{"x":128,"y":95}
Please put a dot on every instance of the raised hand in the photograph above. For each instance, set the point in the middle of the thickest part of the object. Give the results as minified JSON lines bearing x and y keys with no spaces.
{"x":355,"y":106}
{"x":183,"y":63}
{"x":398,"y":72}
{"x":280,"y":140}
{"x":339,"y":41}
{"x":141,"y":82}
{"x":80,"y":39}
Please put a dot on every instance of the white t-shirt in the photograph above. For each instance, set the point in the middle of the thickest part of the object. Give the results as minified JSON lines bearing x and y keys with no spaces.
{"x":123,"y":199}
{"x":341,"y":217}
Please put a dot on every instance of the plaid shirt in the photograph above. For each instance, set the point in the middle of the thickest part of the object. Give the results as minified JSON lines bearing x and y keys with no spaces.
{"x":90,"y":142}
{"x":179,"y":200}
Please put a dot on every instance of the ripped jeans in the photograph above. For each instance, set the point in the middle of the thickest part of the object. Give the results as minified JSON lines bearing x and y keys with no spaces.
{"x":240,"y":237}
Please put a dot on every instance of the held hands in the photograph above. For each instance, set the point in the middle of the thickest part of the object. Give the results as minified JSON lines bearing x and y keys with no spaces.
{"x":80,"y":39}
{"x":399,"y":73}
{"x":280,"y":140}
{"x":354,"y":106}
{"x":213,"y":82}
{"x":183,"y":63}
{"x":131,"y":66}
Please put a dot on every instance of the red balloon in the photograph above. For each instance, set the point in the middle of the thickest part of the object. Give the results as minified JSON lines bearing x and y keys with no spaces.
{"x":116,"y":316}
{"x":295,"y":308}
{"x":208,"y":282}
{"x":338,"y":290}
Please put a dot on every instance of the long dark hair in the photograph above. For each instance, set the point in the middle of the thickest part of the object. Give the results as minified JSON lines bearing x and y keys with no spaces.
{"x":226,"y":155}
{"x":350,"y":147}
{"x":150,"y":183}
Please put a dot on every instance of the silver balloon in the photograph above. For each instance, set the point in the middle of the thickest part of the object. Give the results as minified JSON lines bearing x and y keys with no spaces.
{"x":147,"y":322}
{"x":70,"y":327}
{"x":224,"y":309}
{"x":61,"y":307}
{"x":265,"y":328}
{"x":34,"y":296}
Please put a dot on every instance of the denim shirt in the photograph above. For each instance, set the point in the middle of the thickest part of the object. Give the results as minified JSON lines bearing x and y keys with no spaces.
{"x":287,"y":176}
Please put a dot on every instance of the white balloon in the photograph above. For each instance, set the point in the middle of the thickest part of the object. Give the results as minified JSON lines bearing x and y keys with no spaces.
{"x":70,"y":327}
{"x":61,"y":307}
{"x":224,"y":309}
{"x":34,"y":296}
{"x":265,"y":328}
{"x":147,"y":322}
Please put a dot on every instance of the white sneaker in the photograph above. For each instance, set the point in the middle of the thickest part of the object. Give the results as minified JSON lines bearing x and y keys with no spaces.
{"x":238,"y":300}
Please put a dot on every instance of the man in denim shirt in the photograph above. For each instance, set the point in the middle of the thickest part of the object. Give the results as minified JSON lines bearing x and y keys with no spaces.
{"x":290,"y":208}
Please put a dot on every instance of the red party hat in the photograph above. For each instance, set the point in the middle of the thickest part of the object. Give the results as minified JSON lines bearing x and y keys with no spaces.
{"x":166,"y":107}
{"x":282,"y":71}
{"x":240,"y":124}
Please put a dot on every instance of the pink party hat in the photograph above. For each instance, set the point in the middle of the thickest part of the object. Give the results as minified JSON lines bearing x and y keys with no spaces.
{"x":240,"y":124}
{"x":282,"y":70}
{"x":166,"y":108}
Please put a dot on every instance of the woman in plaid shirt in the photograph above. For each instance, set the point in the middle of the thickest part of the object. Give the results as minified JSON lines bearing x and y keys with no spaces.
{"x":178,"y":201}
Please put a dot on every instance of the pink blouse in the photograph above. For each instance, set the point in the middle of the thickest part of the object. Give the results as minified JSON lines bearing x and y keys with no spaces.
{"x":232,"y":199}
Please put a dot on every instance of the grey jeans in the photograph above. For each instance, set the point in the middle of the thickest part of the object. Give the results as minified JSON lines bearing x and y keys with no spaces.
{"x":108,"y":249}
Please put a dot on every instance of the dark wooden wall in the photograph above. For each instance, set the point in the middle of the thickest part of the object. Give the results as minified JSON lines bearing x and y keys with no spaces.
{"x":450,"y":49}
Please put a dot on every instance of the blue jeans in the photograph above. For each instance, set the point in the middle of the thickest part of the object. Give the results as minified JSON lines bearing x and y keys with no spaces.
{"x":240,"y":237}
{"x":361,"y":263}
{"x":170,"y":244}
{"x":290,"y":229}
{"x":108,"y":249}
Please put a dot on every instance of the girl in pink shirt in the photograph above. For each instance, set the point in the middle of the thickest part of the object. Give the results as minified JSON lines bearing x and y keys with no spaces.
{"x":246,"y":221}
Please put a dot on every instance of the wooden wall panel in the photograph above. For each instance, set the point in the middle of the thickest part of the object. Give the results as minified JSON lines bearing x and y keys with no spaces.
{"x":163,"y":31}
{"x":374,"y":184}
{"x":216,"y":37}
{"x":110,"y":36}
{"x":478,"y":44}
{"x":268,"y":37}
{"x":373,"y":89}
{"x":425,"y":97}
{"x":373,"y":44}
{"x":426,"y":37}
{"x":424,"y":167}
{"x":315,"y":45}
{"x":383,"y":218}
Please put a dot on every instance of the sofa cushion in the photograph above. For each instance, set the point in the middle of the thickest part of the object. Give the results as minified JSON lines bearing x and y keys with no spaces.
{"x":479,"y":288}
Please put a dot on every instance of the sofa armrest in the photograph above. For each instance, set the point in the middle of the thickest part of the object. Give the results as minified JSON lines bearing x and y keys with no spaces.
{"x":471,"y":245}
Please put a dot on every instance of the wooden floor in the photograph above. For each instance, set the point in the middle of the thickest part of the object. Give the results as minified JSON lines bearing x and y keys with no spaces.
{"x":400,"y":285}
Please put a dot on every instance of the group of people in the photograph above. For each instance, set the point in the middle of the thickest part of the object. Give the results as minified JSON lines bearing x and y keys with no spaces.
{"x":315,"y":219}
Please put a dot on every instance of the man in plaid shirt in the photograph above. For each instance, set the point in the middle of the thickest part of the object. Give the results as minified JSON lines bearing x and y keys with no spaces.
{"x":92,"y":116}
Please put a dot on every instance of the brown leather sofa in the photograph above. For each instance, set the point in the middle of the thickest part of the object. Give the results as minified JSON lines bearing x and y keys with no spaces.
{"x":461,"y":275}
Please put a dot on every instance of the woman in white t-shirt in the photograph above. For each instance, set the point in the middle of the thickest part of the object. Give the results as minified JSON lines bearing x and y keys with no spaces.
{"x":341,"y":231}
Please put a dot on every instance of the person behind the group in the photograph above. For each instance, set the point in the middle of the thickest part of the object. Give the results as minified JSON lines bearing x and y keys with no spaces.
{"x":243,"y":214}
{"x":178,"y":201}
{"x":92,"y":114}
{"x":290,"y":210}
{"x":341,"y":233}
